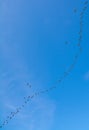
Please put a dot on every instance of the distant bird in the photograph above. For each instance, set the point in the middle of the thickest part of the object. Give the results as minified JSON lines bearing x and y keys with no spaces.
{"x":75,"y":10}
{"x":86,"y":2}
{"x":29,"y":85}
{"x":66,"y":42}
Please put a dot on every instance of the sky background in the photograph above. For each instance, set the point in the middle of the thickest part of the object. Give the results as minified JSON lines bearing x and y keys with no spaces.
{"x":33,"y":34}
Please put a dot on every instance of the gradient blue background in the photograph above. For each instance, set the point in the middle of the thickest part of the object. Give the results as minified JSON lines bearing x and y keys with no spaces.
{"x":33,"y":34}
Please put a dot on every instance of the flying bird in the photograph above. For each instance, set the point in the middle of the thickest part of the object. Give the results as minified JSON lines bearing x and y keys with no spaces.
{"x":75,"y":10}
{"x":29,"y":85}
{"x":66,"y":42}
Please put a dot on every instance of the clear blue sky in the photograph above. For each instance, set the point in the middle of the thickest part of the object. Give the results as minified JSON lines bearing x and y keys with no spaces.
{"x":33,"y":34}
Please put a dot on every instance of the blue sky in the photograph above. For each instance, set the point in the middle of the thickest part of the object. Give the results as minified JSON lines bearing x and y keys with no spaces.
{"x":33,"y":50}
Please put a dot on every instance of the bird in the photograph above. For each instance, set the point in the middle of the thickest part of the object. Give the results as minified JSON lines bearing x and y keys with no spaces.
{"x":29,"y":85}
{"x":75,"y":10}
{"x":66,"y":42}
